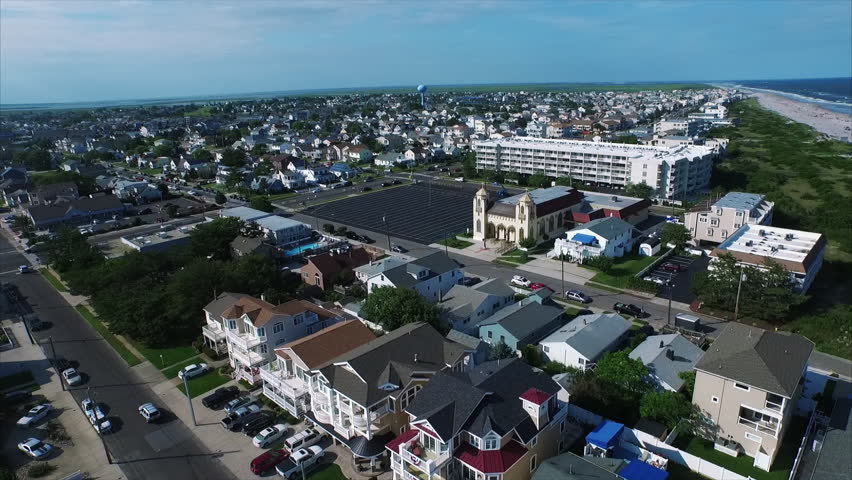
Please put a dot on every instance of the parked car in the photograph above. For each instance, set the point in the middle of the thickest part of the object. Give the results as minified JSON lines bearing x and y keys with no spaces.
{"x":220,"y":397}
{"x":237,"y":403}
{"x":365,"y":239}
{"x":303,"y":439}
{"x":150,"y":412}
{"x":301,"y":460}
{"x":366,"y":189}
{"x":99,"y":421}
{"x":673,"y":267}
{"x":35,"y":448}
{"x":72,"y":377}
{"x":24,"y":269}
{"x":578,"y":296}
{"x":536,"y":286}
{"x":18,"y":396}
{"x":695,"y":251}
{"x":629,"y":309}
{"x":267,"y":461}
{"x":657,"y":280}
{"x":231,"y":422}
{"x":398,"y":249}
{"x":269,"y":435}
{"x":34,"y":415}
{"x":386,"y":184}
{"x":263,"y":420}
{"x":520,"y":281}
{"x":194,"y":370}
{"x":396,"y":182}
{"x":470,"y":281}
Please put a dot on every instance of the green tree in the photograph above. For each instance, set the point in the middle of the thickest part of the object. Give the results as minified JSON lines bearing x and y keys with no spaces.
{"x":259,"y":202}
{"x":23,"y":223}
{"x":393,"y":307}
{"x":164,"y":189}
{"x":688,"y":382}
{"x":220,"y":198}
{"x":203,"y":155}
{"x":528,"y":242}
{"x":501,"y":351}
{"x":69,"y":250}
{"x":259,"y":149}
{"x":539,"y":180}
{"x":469,"y":165}
{"x":234,"y":179}
{"x":675,"y":233}
{"x":621,"y":371}
{"x":38,"y":160}
{"x":666,"y":407}
{"x":233,"y":158}
{"x":213,"y":239}
{"x":639,"y":190}
{"x":564,"y":181}
{"x":164,"y":150}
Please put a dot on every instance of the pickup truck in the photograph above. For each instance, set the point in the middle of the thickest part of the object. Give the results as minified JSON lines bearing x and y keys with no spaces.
{"x":220,"y":397}
{"x":232,"y":419}
{"x":302,"y":459}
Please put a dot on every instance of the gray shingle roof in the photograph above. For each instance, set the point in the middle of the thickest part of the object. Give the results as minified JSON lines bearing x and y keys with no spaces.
{"x":591,"y":334}
{"x":523,"y":318}
{"x":437,"y":263}
{"x":223,"y":302}
{"x":607,"y":227}
{"x":653,"y":353}
{"x":391,"y":359}
{"x":770,"y":361}
{"x":484,"y":399}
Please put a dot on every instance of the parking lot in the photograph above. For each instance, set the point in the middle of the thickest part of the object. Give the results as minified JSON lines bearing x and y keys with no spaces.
{"x":681,"y":276}
{"x":419,"y":213}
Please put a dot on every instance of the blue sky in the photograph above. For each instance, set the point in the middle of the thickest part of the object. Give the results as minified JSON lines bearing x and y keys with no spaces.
{"x":71,"y":50}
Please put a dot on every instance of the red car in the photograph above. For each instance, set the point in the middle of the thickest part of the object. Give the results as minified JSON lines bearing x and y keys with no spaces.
{"x":673,"y":267}
{"x":536,"y":286}
{"x":267,"y":461}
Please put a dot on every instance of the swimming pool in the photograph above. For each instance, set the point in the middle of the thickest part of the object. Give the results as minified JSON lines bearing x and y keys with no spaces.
{"x":298,"y":250}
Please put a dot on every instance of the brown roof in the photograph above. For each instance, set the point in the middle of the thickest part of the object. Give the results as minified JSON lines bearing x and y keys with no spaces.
{"x":261,"y":312}
{"x":329,"y":263}
{"x":321,"y":347}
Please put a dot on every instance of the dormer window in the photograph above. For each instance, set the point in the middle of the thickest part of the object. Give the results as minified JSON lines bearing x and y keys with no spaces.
{"x":492,"y":442}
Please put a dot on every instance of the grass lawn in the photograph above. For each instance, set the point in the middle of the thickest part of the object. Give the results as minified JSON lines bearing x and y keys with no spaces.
{"x":172,"y":371}
{"x":514,"y":257}
{"x":24,"y":377}
{"x":116,"y":344}
{"x":679,"y":472}
{"x":50,"y":277}
{"x":204,"y":383}
{"x":281,"y":196}
{"x":744,"y":465}
{"x":216,"y":186}
{"x":454,"y":242}
{"x":171,"y":355}
{"x":329,"y":471}
{"x":624,"y":268}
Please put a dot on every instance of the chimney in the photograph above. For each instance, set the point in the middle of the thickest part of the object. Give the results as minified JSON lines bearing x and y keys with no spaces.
{"x":661,"y":344}
{"x":670,"y":354}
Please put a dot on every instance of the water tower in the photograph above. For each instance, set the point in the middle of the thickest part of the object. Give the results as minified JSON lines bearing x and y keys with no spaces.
{"x":422,"y":90}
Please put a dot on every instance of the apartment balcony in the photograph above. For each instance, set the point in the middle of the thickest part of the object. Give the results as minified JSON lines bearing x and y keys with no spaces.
{"x":214,"y":332}
{"x":296,"y":407}
{"x":245,"y":340}
{"x":292,"y":385}
{"x":770,"y":428}
{"x":249,"y":358}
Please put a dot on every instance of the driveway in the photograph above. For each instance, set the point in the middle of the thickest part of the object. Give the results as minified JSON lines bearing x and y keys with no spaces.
{"x":682,"y":290}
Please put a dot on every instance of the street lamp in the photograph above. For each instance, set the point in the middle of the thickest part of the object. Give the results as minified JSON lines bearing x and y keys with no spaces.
{"x":162,"y":361}
{"x":739,"y":288}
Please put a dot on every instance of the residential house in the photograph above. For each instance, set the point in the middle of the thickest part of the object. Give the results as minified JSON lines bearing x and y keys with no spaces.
{"x":479,"y":349}
{"x":465,"y":307}
{"x":242,"y":246}
{"x":431,"y":276}
{"x":143,"y":192}
{"x":392,"y":159}
{"x":417,"y":155}
{"x":357,"y":153}
{"x":585,"y":339}
{"x":317,"y":174}
{"x":282,"y":231}
{"x":82,"y":210}
{"x":251,"y":328}
{"x":54,"y":193}
{"x":609,"y":236}
{"x":287,"y":378}
{"x":343,"y":171}
{"x":667,"y":357}
{"x":747,"y":385}
{"x":522,"y":323}
{"x":715,"y":222}
{"x":265,"y":183}
{"x":360,"y":397}
{"x":373,"y":268}
{"x":290,"y":179}
{"x":497,"y":421}
{"x":322,"y":270}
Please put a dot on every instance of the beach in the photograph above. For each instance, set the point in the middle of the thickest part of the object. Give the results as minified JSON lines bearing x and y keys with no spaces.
{"x":833,"y":124}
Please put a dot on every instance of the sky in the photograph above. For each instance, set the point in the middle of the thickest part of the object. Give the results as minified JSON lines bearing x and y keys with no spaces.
{"x":68,"y":50}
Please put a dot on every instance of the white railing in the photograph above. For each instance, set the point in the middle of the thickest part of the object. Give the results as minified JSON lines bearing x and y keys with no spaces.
{"x":249,"y":358}
{"x":213,"y":332}
{"x":422,"y":464}
{"x":244,"y":340}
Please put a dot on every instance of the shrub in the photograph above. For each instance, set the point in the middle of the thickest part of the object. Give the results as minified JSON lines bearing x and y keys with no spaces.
{"x":40,"y":470}
{"x":642,"y":285}
{"x":341,"y":230}
{"x":328,"y":228}
{"x":210,"y":353}
{"x":601,"y":262}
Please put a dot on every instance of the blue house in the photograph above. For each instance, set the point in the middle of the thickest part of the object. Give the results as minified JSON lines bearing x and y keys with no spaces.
{"x":523,"y":323}
{"x":342,"y":170}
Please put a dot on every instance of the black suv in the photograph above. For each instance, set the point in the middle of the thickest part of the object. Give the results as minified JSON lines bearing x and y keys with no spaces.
{"x":629,"y":309}
{"x":262,"y":420}
{"x":220,"y":397}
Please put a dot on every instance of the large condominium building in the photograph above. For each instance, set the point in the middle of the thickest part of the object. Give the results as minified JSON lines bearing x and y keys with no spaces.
{"x":800,"y":253}
{"x":715,"y":222}
{"x":747,"y":384}
{"x":673,"y":172}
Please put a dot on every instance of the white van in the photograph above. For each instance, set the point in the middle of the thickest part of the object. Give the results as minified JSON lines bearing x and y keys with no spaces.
{"x":303,"y":439}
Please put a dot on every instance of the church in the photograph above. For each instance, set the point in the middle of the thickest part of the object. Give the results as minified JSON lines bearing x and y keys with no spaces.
{"x":543,"y":214}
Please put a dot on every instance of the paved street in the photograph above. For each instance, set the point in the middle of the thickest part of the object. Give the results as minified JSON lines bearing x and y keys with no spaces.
{"x":174,"y":454}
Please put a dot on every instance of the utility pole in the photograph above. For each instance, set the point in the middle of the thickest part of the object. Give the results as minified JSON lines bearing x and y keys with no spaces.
{"x":189,"y":400}
{"x":671,"y":287}
{"x":739,"y":288}
{"x":387,"y":230}
{"x":562,"y":269}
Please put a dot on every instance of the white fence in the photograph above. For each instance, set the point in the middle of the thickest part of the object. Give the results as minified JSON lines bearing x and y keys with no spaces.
{"x":660,"y":447}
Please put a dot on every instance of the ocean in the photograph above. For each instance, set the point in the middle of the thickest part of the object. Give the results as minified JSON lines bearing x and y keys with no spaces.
{"x":830,"y":93}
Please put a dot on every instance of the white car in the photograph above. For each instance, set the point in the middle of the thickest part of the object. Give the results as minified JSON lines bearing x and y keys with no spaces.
{"x":34,"y":415}
{"x":657,"y":280}
{"x":23,"y":269}
{"x":88,"y":405}
{"x":99,"y":420}
{"x":193,"y":370}
{"x":149,"y":412}
{"x":72,"y":377}
{"x":35,"y":448}
{"x":269,"y":435}
{"x":521,"y":281}
{"x":695,"y":251}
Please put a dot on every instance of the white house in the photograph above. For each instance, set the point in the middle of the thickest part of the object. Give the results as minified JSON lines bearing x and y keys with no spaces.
{"x":609,"y":236}
{"x":283,"y":231}
{"x":584,"y":340}
{"x":466,"y":306}
{"x":142,"y":191}
{"x":431,"y":276}
{"x":290,"y":179}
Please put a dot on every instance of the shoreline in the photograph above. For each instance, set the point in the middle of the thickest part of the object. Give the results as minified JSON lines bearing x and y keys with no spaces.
{"x":832,"y":124}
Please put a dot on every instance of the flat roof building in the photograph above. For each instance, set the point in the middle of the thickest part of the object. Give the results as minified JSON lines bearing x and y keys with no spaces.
{"x":673,"y":172}
{"x":801,"y":253}
{"x":159,"y":241}
{"x":715,"y":222}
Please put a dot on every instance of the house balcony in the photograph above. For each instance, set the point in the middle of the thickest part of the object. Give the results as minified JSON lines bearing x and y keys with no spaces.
{"x":296,"y":406}
{"x":249,"y":358}
{"x":291,"y":385}
{"x":214,"y":332}
{"x":244,"y":340}
{"x":420,"y":460}
{"x":770,"y":428}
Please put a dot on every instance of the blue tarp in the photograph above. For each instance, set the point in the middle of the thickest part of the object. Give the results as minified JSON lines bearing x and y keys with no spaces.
{"x":638,"y":470}
{"x":605,"y":435}
{"x":584,"y":238}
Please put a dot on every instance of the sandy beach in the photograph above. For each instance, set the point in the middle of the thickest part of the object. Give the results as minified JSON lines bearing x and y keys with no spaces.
{"x":832,"y":124}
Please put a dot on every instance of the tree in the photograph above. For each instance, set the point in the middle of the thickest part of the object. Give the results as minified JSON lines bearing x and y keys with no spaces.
{"x":70,"y":250}
{"x":164,"y":189}
{"x":601,"y":262}
{"x":528,"y":242}
{"x":233,"y":158}
{"x":564,"y":181}
{"x":639,"y":190}
{"x":666,"y":407}
{"x":538,"y":180}
{"x":259,"y":149}
{"x":501,"y":351}
{"x":220,"y":198}
{"x":259,"y":202}
{"x":213,"y":239}
{"x":621,"y":371}
{"x":675,"y":233}
{"x":688,"y":378}
{"x":203,"y":155}
{"x":234,"y":179}
{"x":165,"y":150}
{"x":393,"y":307}
{"x":469,"y":165}
{"x":328,"y":228}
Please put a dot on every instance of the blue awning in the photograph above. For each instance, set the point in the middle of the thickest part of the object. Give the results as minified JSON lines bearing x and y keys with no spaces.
{"x":639,"y":470}
{"x":584,"y":238}
{"x":605,"y":435}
